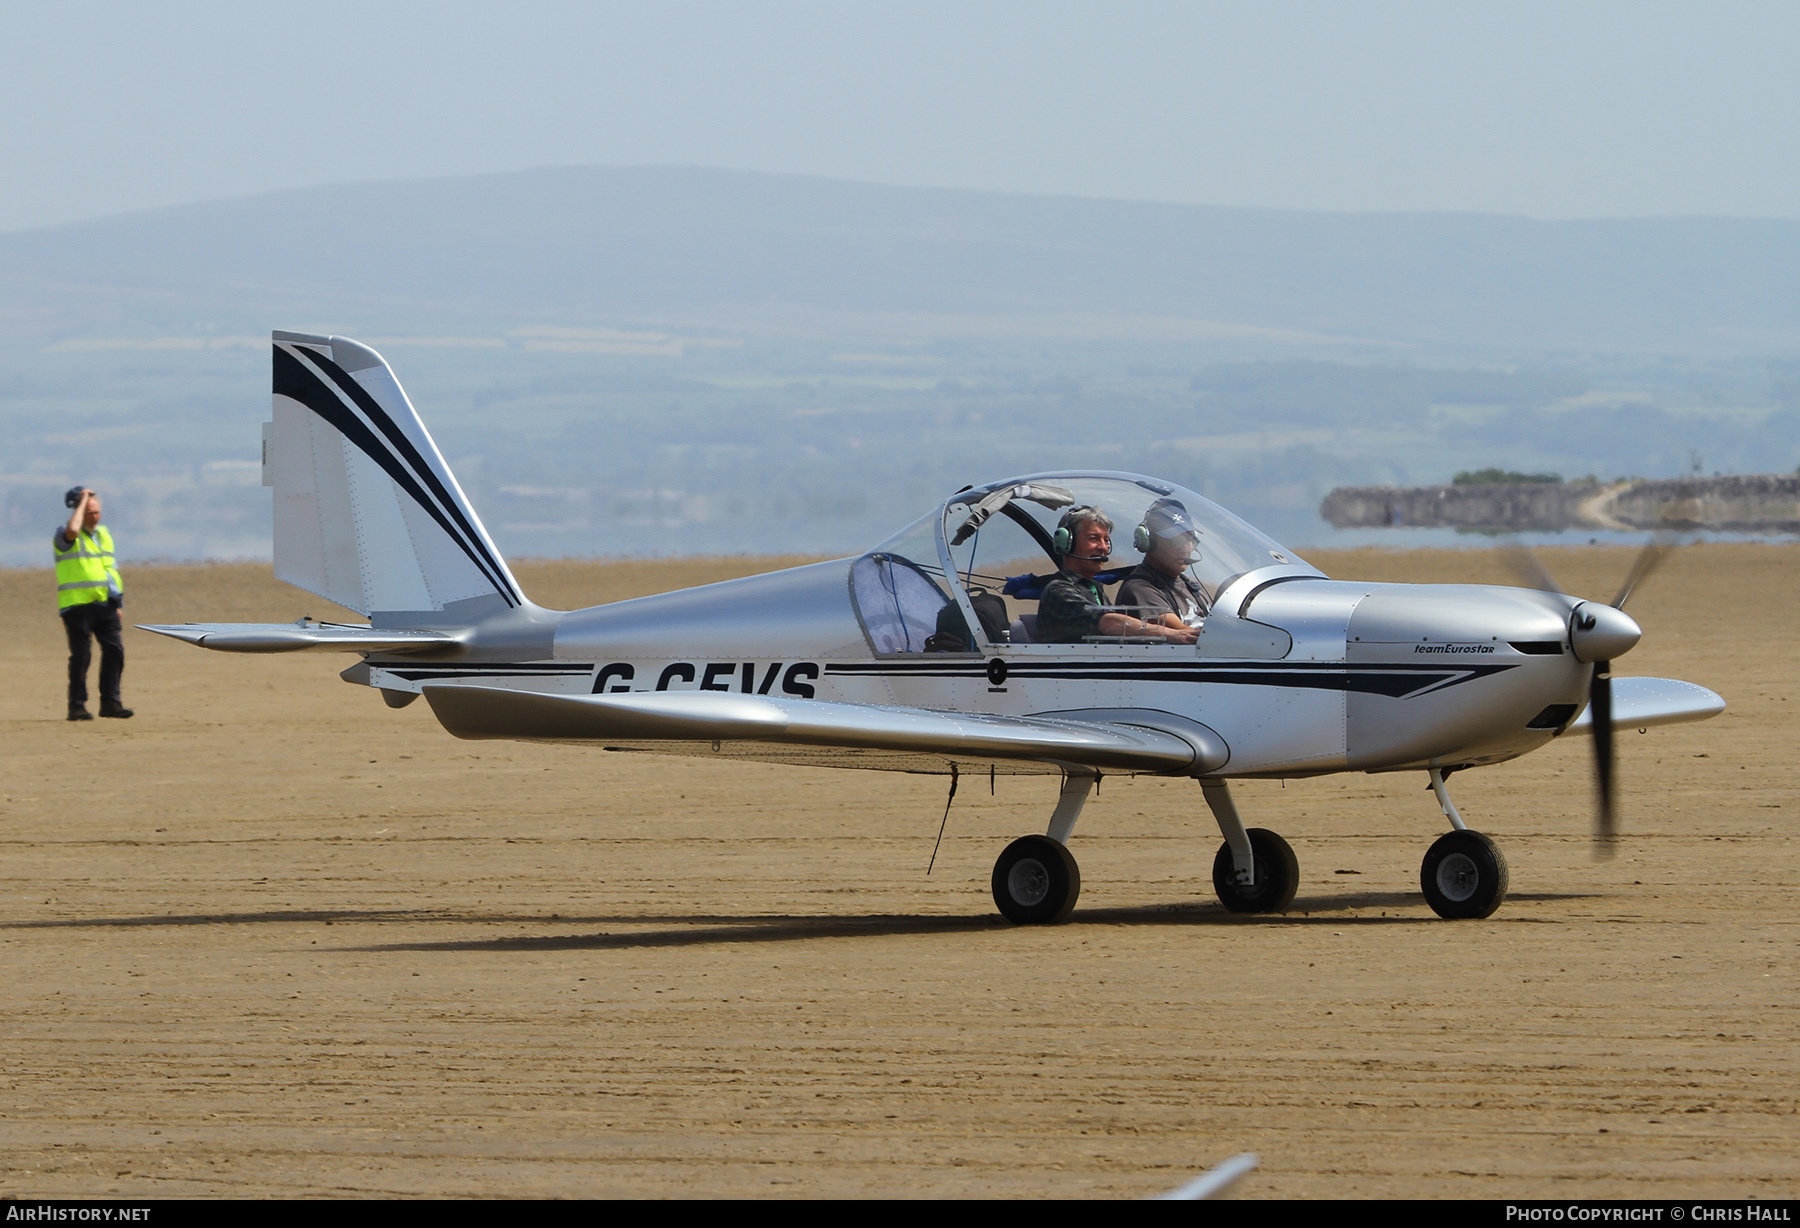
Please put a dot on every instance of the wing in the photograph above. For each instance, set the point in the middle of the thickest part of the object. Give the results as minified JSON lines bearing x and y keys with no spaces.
{"x":1639,"y":703}
{"x":830,"y":734}
{"x":301,"y":637}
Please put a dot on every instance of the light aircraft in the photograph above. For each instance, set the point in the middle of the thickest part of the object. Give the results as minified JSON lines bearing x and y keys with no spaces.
{"x":909,"y":658}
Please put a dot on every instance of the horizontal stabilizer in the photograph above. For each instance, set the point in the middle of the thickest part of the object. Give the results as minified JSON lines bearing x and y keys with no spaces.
{"x":302,"y":637}
{"x":1639,"y":703}
{"x":707,"y":717}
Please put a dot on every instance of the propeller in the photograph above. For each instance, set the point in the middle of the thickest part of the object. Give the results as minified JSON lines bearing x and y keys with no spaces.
{"x":1598,"y":633}
{"x":1648,"y":560}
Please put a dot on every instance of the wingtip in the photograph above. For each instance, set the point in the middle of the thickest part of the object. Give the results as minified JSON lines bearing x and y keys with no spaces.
{"x":187,"y":633}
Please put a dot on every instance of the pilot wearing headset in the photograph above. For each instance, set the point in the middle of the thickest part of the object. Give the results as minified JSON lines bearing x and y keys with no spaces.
{"x":1159,"y":589}
{"x":1073,"y":605}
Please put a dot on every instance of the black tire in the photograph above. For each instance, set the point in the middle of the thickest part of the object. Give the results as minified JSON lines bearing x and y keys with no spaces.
{"x":1036,"y":881}
{"x":1276,"y":876}
{"x":1464,"y":876}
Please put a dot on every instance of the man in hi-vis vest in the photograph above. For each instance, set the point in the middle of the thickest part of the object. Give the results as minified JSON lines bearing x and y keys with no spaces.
{"x":89,"y":595}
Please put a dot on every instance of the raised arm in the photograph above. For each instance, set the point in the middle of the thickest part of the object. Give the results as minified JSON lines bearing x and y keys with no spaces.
{"x":73,"y":529}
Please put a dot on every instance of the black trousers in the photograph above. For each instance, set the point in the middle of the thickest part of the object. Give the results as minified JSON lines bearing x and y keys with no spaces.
{"x":99,"y":620}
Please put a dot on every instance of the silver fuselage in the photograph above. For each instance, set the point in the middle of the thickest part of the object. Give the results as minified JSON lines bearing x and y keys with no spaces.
{"x":1363,"y":676}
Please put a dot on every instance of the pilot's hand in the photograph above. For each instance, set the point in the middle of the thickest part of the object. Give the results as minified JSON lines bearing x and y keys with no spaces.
{"x":1178,"y":634}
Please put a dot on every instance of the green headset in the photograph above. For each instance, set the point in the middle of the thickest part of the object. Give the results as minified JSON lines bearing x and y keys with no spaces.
{"x":1063,"y":541}
{"x":1173,"y":514}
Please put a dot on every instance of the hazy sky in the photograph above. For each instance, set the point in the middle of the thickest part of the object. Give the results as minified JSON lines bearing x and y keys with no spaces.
{"x":1557,"y":109}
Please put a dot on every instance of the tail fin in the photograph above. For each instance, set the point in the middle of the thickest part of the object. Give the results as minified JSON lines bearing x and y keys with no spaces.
{"x":367,"y":514}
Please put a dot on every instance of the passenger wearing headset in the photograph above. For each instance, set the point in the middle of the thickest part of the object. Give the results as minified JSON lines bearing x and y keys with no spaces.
{"x":1072,"y":607}
{"x":1159,"y":589}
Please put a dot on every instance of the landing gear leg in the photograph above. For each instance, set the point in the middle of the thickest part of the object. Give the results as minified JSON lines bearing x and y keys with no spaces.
{"x":1255,"y":870}
{"x":1444,"y":803}
{"x":1076,"y":787}
{"x":1036,"y":880}
{"x":1464,"y":873}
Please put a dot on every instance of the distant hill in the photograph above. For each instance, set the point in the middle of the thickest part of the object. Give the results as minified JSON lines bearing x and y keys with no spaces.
{"x":679,"y":361}
{"x":699,"y":248}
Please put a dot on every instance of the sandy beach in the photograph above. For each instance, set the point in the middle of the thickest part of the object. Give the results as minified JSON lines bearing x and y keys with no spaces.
{"x":271,"y":938}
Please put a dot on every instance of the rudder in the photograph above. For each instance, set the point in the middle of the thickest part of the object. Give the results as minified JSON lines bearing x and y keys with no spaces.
{"x":367,"y":514}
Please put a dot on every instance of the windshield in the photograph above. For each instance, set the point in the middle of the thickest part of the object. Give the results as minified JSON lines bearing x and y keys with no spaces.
{"x":1148,"y":516}
{"x":1000,"y":540}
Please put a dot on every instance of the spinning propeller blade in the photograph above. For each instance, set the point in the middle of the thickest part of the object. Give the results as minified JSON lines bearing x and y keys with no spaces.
{"x":1606,"y":815}
{"x":1648,"y":560}
{"x":1532,"y":573}
{"x":1528,"y":569}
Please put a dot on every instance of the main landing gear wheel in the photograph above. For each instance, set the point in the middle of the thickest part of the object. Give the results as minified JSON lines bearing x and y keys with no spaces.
{"x":1464,"y":875}
{"x":1036,"y":881}
{"x":1275,"y":878}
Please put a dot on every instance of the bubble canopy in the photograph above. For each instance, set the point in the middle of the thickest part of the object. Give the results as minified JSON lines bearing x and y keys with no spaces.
{"x":981,"y":538}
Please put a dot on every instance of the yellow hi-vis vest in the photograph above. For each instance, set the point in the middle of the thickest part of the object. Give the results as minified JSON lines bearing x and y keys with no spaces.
{"x":86,"y":572}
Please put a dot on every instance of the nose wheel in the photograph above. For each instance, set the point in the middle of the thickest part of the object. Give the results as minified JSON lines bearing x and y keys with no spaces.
{"x":1036,"y":881}
{"x":1464,"y":876}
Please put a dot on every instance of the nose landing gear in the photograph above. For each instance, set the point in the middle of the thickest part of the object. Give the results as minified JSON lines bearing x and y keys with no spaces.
{"x":1464,"y":876}
{"x":1464,"y":873}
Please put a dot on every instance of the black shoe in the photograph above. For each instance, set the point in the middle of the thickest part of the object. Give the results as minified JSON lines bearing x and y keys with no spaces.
{"x":112,"y":707}
{"x":79,"y":712}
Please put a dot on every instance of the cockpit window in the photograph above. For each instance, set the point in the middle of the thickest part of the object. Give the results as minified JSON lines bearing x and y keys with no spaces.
{"x":1224,"y":547}
{"x":899,"y":591}
{"x":1000,"y":540}
{"x":897,"y":602}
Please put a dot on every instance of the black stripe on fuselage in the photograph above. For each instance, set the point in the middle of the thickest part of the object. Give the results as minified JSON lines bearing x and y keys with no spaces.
{"x":1397,"y":681}
{"x":429,"y":673}
{"x":293,"y":380}
{"x":477,"y":667}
